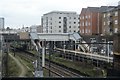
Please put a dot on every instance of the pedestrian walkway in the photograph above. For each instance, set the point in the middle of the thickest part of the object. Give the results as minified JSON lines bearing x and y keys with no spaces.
{"x":22,"y":67}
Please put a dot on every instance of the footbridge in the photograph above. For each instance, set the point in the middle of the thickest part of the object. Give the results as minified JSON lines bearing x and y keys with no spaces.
{"x":36,"y":38}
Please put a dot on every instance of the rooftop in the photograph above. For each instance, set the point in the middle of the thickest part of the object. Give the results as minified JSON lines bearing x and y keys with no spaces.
{"x":61,"y":12}
{"x":97,"y":9}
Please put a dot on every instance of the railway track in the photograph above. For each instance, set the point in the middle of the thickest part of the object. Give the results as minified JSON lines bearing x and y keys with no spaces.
{"x":62,"y":71}
{"x":56,"y":70}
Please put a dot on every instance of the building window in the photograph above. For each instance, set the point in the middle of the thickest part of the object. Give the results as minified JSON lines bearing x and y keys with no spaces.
{"x":89,"y":16}
{"x":115,"y":30}
{"x":86,"y":17}
{"x":74,"y":31}
{"x":83,"y":17}
{"x":89,"y":31}
{"x":69,"y":22}
{"x":104,"y":15}
{"x":116,"y":21}
{"x":89,"y":24}
{"x":51,"y":23}
{"x":104,"y":23}
{"x":69,"y":17}
{"x":59,"y":26}
{"x":69,"y":30}
{"x":80,"y":17}
{"x":108,"y":14}
{"x":80,"y":31}
{"x":83,"y":24}
{"x":83,"y":31}
{"x":104,"y":30}
{"x":116,"y":13}
{"x":59,"y":30}
{"x":50,"y":18}
{"x":69,"y":26}
{"x":86,"y":23}
{"x":74,"y":17}
{"x":59,"y":17}
{"x":59,"y":21}
{"x":78,"y":26}
{"x":108,"y":22}
{"x":86,"y":31}
{"x":74,"y":22}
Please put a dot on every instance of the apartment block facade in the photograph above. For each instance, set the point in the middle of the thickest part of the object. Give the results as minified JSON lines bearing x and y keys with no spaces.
{"x":1,"y":23}
{"x":39,"y":28}
{"x":60,"y":22}
{"x":91,"y":20}
{"x":111,"y":21}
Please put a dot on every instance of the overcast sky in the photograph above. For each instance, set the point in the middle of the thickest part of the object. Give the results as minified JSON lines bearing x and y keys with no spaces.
{"x":29,"y":12}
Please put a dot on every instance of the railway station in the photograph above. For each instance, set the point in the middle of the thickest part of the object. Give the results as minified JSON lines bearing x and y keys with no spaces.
{"x":60,"y":44}
{"x":41,"y":50}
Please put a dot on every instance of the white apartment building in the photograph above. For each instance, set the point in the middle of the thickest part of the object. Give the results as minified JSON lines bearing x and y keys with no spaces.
{"x":1,"y":23}
{"x":60,"y":22}
{"x":38,"y":27}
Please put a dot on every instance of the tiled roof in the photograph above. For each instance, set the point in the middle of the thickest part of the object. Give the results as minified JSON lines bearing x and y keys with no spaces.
{"x":97,"y":9}
{"x":93,"y":9}
{"x":83,"y":10}
{"x":109,"y":8}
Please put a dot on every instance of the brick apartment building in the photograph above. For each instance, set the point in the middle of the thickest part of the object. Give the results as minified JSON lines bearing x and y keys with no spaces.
{"x":91,"y":20}
{"x":111,"y":21}
{"x":111,"y":26}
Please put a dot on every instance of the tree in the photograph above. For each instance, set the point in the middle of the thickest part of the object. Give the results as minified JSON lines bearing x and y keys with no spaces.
{"x":8,"y":28}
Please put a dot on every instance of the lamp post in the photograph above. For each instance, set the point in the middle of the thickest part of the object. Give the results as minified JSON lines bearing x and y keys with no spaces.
{"x":1,"y":51}
{"x":108,"y":50}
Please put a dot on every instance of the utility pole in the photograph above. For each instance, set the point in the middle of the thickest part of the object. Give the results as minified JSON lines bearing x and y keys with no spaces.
{"x":108,"y":50}
{"x":1,"y":52}
{"x":49,"y":57}
{"x":43,"y":52}
{"x":38,"y":69}
{"x":50,"y":52}
{"x":14,"y":42}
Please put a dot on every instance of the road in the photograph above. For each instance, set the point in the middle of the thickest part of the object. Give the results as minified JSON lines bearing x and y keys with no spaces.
{"x":22,"y":67}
